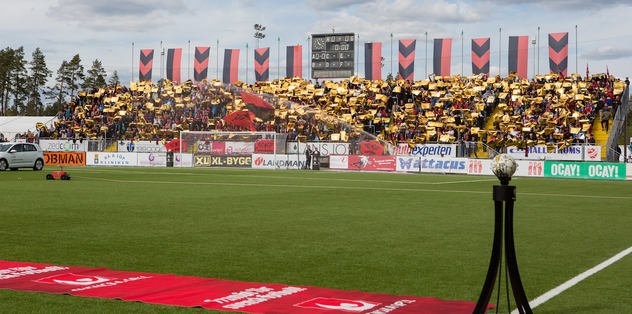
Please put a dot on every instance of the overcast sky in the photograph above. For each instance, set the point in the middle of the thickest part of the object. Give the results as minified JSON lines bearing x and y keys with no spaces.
{"x":106,"y":29}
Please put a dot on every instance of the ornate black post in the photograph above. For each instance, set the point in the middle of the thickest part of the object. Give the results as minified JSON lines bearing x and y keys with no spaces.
{"x":503,"y":167}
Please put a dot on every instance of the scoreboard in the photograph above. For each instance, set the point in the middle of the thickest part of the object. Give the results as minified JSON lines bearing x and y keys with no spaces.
{"x":333,"y":55}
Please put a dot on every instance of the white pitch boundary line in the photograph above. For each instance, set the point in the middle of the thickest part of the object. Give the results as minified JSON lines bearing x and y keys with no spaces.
{"x":342,"y":187}
{"x":575,"y":280}
{"x":289,"y":177}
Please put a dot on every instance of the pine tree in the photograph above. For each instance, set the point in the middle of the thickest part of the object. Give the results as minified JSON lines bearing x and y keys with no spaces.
{"x":114,"y":79}
{"x":74,"y":74}
{"x":6,"y":59}
{"x":19,"y":79}
{"x":37,"y":80}
{"x":96,"y":76}
{"x":58,"y":92}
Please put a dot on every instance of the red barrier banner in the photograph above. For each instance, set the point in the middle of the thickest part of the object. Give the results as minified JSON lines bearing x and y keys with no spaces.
{"x":210,"y":293}
{"x":372,"y":163}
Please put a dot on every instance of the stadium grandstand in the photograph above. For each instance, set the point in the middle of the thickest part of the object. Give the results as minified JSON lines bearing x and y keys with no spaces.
{"x":549,"y":110}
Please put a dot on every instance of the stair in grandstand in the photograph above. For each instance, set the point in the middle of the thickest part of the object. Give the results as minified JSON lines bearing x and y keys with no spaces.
{"x":489,"y":125}
{"x":600,"y":135}
{"x":112,"y":147}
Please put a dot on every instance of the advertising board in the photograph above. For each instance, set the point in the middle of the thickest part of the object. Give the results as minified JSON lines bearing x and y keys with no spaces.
{"x":141,"y":147}
{"x":269,"y":161}
{"x":152,"y":159}
{"x":540,"y":152}
{"x":183,"y":160}
{"x":63,"y":145}
{"x":584,"y":170}
{"x":444,"y":165}
{"x":324,"y":148}
{"x":425,"y":150}
{"x":64,"y":159}
{"x":111,"y":159}
{"x":206,"y":160}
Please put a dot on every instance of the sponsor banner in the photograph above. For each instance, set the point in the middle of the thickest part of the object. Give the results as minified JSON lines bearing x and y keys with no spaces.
{"x":628,"y":171}
{"x":239,"y":148}
{"x":325,"y":149}
{"x":584,"y":170}
{"x":372,"y":163}
{"x":264,"y":147}
{"x":210,"y":293}
{"x":593,"y":153}
{"x":444,"y":165}
{"x":528,"y":168}
{"x":182,"y":160}
{"x":338,"y":162}
{"x":63,"y":146}
{"x":153,"y":159}
{"x":408,"y":164}
{"x":111,"y":159}
{"x":64,"y":159}
{"x":480,"y":167}
{"x":423,"y":150}
{"x":269,"y":161}
{"x":141,"y":147}
{"x":214,"y":148}
{"x":206,"y":160}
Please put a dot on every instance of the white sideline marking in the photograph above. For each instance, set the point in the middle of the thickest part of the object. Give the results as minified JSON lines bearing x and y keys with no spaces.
{"x":573,"y":281}
{"x":343,"y":187}
{"x":287,"y":177}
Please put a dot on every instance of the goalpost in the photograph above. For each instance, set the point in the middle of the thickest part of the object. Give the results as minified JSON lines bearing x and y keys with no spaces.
{"x":233,"y":149}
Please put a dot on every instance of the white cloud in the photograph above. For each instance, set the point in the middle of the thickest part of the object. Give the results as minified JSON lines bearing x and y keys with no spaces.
{"x":332,"y":4}
{"x":565,"y":4}
{"x":608,"y":53}
{"x":117,"y":15}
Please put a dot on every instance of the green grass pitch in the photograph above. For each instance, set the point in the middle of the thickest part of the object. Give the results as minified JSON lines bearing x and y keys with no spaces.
{"x":405,"y":234}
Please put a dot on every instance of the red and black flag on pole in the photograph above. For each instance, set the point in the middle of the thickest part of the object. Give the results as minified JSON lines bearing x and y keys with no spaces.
{"x":200,"y":66}
{"x":373,"y":61}
{"x":558,"y":53}
{"x":174,"y":58}
{"x":442,"y":56}
{"x":407,"y":59}
{"x":294,"y":61}
{"x":242,"y":119}
{"x":262,"y":64}
{"x":518,"y":55}
{"x":146,"y":63}
{"x":231,"y":66}
{"x":480,"y":56}
{"x":255,"y":104}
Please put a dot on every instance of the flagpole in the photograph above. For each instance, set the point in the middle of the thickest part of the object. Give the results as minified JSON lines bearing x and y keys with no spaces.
{"x":132,"y":62}
{"x":392,"y":56}
{"x":161,"y":60}
{"x":279,"y":57}
{"x":189,"y":63}
{"x":499,"y":49}
{"x":462,"y":53}
{"x":358,"y":59}
{"x":426,"y":61}
{"x":217,"y":65}
{"x":576,"y":44}
{"x":533,"y":42}
{"x":538,"y":72}
{"x":309,"y":58}
{"x":247,"y":63}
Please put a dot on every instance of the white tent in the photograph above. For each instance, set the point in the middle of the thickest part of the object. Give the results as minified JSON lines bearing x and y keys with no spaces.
{"x":10,"y":126}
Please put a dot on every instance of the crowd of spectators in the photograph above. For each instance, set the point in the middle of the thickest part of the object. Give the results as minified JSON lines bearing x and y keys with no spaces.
{"x":497,"y":111}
